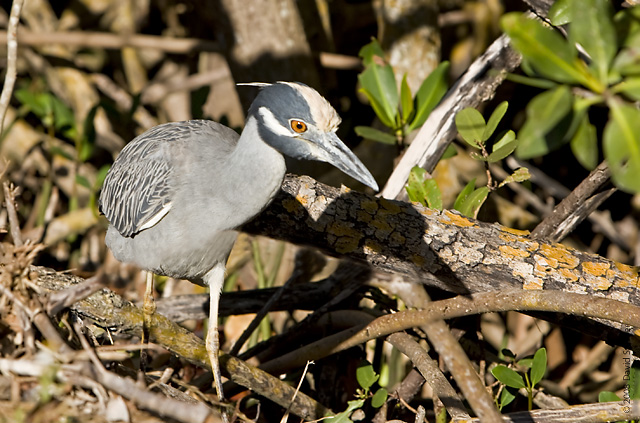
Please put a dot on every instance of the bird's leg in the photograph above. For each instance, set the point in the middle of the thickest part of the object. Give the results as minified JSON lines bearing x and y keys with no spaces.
{"x":148,"y":308}
{"x":215,"y":280}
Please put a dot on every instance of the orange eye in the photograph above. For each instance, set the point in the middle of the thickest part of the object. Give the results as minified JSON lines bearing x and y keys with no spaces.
{"x":298,"y":126}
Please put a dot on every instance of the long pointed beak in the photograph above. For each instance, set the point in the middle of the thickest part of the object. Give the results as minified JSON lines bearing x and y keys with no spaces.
{"x":335,"y":152}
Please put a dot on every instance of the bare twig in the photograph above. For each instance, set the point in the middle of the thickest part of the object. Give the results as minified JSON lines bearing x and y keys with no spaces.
{"x":555,"y":301}
{"x":108,"y":40}
{"x":459,"y":365}
{"x":431,"y":372}
{"x":576,"y":207}
{"x":588,"y":413}
{"x":12,"y":57}
{"x":160,"y":404}
{"x":9,"y":201}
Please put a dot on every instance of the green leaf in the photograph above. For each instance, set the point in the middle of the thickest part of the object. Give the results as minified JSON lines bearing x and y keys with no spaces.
{"x":608,"y":396}
{"x":81,"y":180}
{"x":379,"y":110}
{"x":366,"y":376}
{"x":462,"y":197}
{"x":627,"y":62}
{"x":621,"y":145}
{"x":560,"y":12}
{"x":544,"y":112}
{"x":630,"y":87}
{"x":539,"y":366}
{"x":375,"y":135}
{"x":494,"y":120}
{"x":36,"y":103}
{"x":506,"y":398}
{"x":421,"y":188}
{"x":473,"y":202}
{"x":505,"y":146}
{"x":406,"y":99}
{"x":434,"y":196}
{"x":519,"y":175}
{"x":592,"y":28}
{"x":471,"y":126}
{"x":546,"y":51}
{"x":508,"y":377}
{"x":379,"y":83}
{"x":429,"y":94}
{"x":370,"y":51}
{"x":63,"y":117}
{"x":584,"y":144}
{"x":379,"y":398}
{"x":344,"y":416}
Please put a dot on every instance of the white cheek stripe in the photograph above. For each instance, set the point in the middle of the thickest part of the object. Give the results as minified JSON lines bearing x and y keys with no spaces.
{"x":273,"y":124}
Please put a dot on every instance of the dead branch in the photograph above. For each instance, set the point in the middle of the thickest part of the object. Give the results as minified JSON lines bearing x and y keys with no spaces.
{"x":110,"y":311}
{"x":439,"y":249}
{"x":12,"y":56}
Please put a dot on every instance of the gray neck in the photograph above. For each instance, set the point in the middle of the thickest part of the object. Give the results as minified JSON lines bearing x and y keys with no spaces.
{"x":258,"y":168}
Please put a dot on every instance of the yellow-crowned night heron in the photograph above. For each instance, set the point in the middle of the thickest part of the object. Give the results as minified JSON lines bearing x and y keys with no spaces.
{"x":176,"y":194}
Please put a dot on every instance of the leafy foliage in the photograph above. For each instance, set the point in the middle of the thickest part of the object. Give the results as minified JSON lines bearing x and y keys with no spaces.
{"x":366,"y":377}
{"x":534,"y":370}
{"x":398,"y":110}
{"x":607,"y":74}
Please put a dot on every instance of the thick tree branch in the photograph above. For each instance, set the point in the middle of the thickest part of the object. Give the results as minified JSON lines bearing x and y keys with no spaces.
{"x":440,"y":249}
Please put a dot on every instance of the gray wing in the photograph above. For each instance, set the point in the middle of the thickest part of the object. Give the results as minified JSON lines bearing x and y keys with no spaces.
{"x":137,"y":190}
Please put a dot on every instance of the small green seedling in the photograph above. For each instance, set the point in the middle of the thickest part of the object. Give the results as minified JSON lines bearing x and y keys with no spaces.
{"x":528,"y":379}
{"x":366,"y":377}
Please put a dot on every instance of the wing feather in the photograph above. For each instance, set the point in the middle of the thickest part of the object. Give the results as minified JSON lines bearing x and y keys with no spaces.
{"x":137,"y":191}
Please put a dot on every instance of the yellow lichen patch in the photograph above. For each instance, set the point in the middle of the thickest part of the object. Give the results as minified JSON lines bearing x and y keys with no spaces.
{"x":456,"y":219}
{"x":390,"y":207}
{"x":346,"y":244}
{"x":512,"y":231}
{"x":340,"y":229}
{"x":369,"y":206}
{"x":397,"y":238}
{"x":599,"y":283}
{"x":544,"y":265}
{"x":363,"y":216}
{"x":595,"y":269}
{"x":382,"y":224}
{"x":425,"y":211}
{"x":418,"y":261}
{"x":302,"y":199}
{"x":291,"y":205}
{"x":561,"y":253}
{"x":568,"y":274}
{"x":532,"y":246}
{"x":372,"y":247}
{"x":533,"y":283}
{"x":347,"y":239}
{"x":508,"y":238}
{"x":513,"y":252}
{"x":628,"y":275}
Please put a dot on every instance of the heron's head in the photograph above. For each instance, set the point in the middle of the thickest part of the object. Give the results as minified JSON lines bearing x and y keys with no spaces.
{"x":297,"y":121}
